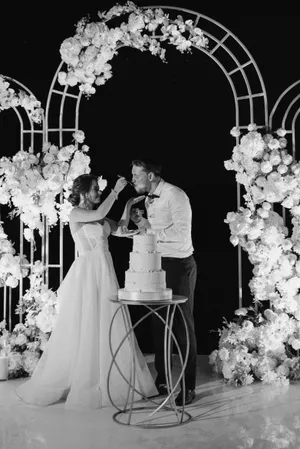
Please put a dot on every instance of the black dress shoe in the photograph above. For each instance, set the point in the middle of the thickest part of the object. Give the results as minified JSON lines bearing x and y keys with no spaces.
{"x":162,"y":389}
{"x":189,"y":397}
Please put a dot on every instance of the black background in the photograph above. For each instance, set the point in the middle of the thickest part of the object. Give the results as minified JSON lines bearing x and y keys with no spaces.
{"x":181,"y":111}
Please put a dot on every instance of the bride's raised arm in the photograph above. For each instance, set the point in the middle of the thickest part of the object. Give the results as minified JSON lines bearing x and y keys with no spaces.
{"x":79,"y":214}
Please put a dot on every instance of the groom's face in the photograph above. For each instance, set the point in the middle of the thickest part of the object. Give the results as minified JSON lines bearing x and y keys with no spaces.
{"x":140,"y":179}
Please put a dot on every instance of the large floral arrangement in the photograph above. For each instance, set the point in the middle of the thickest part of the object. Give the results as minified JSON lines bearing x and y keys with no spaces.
{"x":13,"y":267}
{"x":9,"y":98}
{"x":25,"y":344}
{"x":263,"y":341}
{"x":88,"y":53}
{"x":31,"y":184}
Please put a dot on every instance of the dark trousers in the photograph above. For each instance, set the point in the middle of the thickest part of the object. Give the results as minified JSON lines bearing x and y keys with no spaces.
{"x":181,"y":275}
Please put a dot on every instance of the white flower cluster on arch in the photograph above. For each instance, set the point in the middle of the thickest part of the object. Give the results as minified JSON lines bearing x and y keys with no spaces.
{"x":88,"y":53}
{"x":262,"y":342}
{"x":9,"y":98}
{"x":31,"y":184}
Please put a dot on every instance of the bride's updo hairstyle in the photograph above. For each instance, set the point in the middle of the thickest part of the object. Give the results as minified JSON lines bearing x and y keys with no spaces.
{"x":81,"y":185}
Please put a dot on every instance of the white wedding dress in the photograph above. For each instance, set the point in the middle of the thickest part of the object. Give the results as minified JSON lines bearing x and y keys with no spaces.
{"x":76,"y":360}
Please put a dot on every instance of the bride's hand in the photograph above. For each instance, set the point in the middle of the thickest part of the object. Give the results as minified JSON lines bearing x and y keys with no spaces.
{"x":120,"y":184}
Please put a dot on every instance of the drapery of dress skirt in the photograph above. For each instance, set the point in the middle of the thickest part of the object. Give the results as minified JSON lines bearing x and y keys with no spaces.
{"x":76,"y":360}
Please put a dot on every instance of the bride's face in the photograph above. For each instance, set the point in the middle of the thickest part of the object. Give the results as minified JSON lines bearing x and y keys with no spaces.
{"x":140,"y":179}
{"x":94,"y":195}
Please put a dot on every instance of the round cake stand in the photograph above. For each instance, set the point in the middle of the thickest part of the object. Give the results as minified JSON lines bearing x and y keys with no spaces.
{"x":154,"y":413}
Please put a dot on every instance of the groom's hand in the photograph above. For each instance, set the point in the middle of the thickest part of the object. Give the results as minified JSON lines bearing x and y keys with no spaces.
{"x":135,"y":200}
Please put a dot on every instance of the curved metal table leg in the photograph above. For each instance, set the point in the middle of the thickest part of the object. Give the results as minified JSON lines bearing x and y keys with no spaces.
{"x":153,"y":409}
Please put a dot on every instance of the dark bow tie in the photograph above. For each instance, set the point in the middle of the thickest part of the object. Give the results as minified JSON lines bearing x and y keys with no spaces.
{"x":152,"y":195}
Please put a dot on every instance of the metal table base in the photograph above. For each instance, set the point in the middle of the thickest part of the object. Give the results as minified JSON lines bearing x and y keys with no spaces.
{"x":155,"y":412}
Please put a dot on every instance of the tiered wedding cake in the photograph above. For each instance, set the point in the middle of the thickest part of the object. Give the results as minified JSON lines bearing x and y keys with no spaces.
{"x":145,"y":280}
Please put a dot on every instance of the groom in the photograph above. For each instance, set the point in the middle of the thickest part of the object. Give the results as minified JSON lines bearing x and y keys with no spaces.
{"x":170,"y":216}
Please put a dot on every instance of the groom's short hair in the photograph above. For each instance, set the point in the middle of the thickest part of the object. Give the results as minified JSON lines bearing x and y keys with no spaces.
{"x":150,"y":165}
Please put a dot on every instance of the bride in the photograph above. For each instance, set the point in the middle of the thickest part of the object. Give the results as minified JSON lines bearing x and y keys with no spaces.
{"x":77,"y":357}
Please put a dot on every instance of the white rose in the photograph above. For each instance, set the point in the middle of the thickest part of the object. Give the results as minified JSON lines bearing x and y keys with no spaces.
{"x":241,"y":312}
{"x":69,"y":50}
{"x":49,"y":158}
{"x":274,"y":144}
{"x":234,"y":240}
{"x":28,"y":234}
{"x":63,"y":155}
{"x":11,"y":282}
{"x":79,"y":136}
{"x":282,"y":169}
{"x":288,"y":203}
{"x":21,"y":339}
{"x":135,"y":23}
{"x":281,"y":132}
{"x":252,"y":127}
{"x":266,"y":167}
{"x":266,"y":206}
{"x":296,"y":344}
{"x":288,"y":159}
{"x":275,"y":160}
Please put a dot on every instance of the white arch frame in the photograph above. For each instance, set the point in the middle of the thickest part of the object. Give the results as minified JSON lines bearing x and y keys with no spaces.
{"x":234,"y":62}
{"x":235,"y":74}
{"x":27,"y":126}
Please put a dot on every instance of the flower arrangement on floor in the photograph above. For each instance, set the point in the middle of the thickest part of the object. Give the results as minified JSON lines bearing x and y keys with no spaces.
{"x":31,"y":184}
{"x":25,"y":344}
{"x":9,"y":99}
{"x":13,"y":267}
{"x":262,"y":342}
{"x":88,"y":53}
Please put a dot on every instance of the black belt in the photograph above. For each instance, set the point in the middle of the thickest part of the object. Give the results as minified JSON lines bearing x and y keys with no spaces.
{"x":176,"y":258}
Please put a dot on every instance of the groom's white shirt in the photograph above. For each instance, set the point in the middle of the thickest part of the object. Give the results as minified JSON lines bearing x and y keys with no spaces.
{"x":170,"y":216}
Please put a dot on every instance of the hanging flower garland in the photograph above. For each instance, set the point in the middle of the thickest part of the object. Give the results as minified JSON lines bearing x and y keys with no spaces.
{"x":262,"y":342}
{"x":9,"y":99}
{"x":88,"y":53}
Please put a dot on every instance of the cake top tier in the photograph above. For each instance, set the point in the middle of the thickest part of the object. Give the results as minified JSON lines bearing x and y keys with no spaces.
{"x":144,"y":243}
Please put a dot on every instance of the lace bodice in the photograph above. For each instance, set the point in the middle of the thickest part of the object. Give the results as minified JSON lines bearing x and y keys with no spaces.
{"x":91,"y":236}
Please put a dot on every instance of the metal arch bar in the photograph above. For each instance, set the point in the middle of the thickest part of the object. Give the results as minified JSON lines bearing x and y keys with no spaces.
{"x":295,"y":99}
{"x":293,"y":132}
{"x":228,"y":33}
{"x":279,"y":100}
{"x":64,"y":93}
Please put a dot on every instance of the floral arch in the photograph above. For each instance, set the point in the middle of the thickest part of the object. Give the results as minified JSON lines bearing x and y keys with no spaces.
{"x":76,"y":76}
{"x":30,"y":116}
{"x":224,"y":48}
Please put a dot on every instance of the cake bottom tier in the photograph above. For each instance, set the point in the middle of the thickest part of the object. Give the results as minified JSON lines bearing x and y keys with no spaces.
{"x":145,"y":296}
